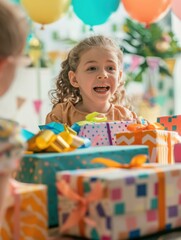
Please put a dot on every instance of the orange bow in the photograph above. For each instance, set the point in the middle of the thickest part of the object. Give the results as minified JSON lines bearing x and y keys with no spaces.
{"x":139,"y":127}
{"x":79,"y":212}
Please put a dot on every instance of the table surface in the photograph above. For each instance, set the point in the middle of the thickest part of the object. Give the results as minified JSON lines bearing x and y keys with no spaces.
{"x":172,"y":235}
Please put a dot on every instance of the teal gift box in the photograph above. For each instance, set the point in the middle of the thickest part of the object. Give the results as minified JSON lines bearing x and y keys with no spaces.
{"x":42,"y":167}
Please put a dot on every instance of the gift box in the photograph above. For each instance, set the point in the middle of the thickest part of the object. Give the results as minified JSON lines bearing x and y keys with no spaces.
{"x":103,"y":133}
{"x":177,"y":152}
{"x":172,"y":123}
{"x":26,"y":216}
{"x":160,"y":143}
{"x":42,"y":168}
{"x":121,"y":204}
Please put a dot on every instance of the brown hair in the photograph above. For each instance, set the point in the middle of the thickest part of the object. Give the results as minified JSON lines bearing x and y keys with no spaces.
{"x":13,"y":29}
{"x":64,"y":90}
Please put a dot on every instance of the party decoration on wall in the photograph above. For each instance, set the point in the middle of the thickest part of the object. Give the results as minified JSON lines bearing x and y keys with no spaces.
{"x":46,"y":12}
{"x":148,"y":11}
{"x":170,"y":64}
{"x":19,"y":102}
{"x":93,"y":12}
{"x":57,"y":54}
{"x":176,"y":8}
{"x":159,"y":49}
{"x":34,"y":49}
{"x":37,"y":105}
{"x":153,"y":62}
{"x":144,"y":42}
{"x":135,"y":62}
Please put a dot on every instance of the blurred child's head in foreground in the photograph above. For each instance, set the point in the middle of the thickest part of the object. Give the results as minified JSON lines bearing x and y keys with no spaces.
{"x":13,"y":32}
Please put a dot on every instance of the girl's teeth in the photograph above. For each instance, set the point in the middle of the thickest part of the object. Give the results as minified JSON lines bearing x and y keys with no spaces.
{"x":101,"y":89}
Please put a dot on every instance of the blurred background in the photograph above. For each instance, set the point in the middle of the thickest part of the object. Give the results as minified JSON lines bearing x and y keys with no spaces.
{"x":150,"y":37}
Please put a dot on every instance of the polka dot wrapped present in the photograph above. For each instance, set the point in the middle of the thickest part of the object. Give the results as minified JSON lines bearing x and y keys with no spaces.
{"x":42,"y":167}
{"x":117,"y":203}
{"x":103,"y":134}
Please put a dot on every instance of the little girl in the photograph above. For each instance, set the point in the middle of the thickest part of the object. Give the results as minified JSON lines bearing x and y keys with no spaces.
{"x":90,"y":81}
{"x":13,"y":29}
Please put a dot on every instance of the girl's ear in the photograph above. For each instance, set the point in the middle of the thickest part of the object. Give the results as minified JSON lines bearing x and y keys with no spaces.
{"x":120,"y":74}
{"x":72,"y":79}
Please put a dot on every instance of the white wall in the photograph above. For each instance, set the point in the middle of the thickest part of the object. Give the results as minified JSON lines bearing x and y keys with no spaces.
{"x":25,"y":86}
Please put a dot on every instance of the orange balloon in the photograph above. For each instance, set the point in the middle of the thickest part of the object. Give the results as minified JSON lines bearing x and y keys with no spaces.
{"x":147,"y":11}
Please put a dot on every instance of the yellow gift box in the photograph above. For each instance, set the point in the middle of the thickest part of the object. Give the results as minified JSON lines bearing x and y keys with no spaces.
{"x":26,"y":216}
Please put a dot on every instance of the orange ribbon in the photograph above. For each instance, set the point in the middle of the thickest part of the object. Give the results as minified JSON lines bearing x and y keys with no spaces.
{"x":137,"y":162}
{"x":135,"y":127}
{"x":78,"y":214}
{"x":16,"y":216}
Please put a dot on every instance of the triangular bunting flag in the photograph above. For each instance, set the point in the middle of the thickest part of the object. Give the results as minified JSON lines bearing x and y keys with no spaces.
{"x":170,"y":64}
{"x":153,"y":62}
{"x":19,"y":102}
{"x":37,"y":105}
{"x":135,"y":62}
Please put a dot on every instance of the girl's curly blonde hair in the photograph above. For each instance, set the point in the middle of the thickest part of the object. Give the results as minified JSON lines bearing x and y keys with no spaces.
{"x":64,"y":90}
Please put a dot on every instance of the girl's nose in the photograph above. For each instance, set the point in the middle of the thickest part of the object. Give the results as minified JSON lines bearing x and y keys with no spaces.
{"x":101,"y":76}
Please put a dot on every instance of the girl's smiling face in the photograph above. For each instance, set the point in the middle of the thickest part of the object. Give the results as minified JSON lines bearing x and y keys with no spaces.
{"x":97,"y":76}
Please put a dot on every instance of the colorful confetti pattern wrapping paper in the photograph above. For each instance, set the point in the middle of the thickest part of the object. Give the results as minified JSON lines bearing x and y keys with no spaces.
{"x":26,"y":217}
{"x":130,"y":206}
{"x":103,"y":134}
{"x":42,"y":168}
{"x":171,"y":123}
{"x":160,"y":143}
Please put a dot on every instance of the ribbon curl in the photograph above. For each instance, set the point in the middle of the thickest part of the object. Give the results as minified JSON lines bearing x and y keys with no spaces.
{"x":92,"y":118}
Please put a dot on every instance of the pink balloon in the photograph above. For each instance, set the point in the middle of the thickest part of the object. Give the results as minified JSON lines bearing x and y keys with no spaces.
{"x":176,"y":8}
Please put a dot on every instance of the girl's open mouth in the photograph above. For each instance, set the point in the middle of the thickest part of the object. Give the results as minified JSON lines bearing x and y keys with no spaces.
{"x":101,"y":89}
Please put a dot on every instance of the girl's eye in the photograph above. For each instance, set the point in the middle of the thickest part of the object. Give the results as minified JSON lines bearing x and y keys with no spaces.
{"x":91,"y":69}
{"x":111,"y":68}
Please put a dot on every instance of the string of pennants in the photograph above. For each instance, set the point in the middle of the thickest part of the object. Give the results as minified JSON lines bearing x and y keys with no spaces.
{"x":37,"y":104}
{"x":136,"y":61}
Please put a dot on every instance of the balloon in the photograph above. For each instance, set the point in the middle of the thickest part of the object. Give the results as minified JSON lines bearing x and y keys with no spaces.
{"x":176,"y":8}
{"x":15,"y":1}
{"x":94,"y":12}
{"x":45,"y":11}
{"x":146,"y":11}
{"x":35,"y":50}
